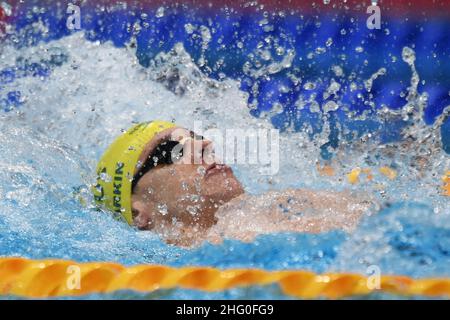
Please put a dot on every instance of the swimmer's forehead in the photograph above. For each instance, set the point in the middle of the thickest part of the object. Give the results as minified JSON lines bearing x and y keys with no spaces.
{"x":173,"y":134}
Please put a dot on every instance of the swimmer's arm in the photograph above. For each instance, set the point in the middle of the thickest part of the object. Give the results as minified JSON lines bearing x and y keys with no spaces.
{"x":317,"y":210}
{"x":289,"y":211}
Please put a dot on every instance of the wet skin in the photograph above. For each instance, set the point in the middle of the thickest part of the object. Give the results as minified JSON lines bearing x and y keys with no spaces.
{"x":196,"y":199}
{"x":186,"y":194}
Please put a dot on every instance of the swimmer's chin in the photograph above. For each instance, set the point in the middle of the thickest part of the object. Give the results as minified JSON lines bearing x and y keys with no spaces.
{"x":223,"y":189}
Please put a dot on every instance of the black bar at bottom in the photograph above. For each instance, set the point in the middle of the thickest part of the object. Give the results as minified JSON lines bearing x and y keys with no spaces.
{"x":223,"y":309}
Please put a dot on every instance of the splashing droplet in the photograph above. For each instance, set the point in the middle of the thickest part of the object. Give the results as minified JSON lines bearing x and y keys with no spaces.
{"x":160,"y":12}
{"x":193,"y":210}
{"x":162,"y":208}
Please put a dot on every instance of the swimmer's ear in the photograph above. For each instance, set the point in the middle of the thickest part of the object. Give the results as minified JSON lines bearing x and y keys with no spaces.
{"x":141,"y":214}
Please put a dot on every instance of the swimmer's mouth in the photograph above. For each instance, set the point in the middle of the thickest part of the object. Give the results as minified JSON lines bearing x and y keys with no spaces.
{"x":215,"y":168}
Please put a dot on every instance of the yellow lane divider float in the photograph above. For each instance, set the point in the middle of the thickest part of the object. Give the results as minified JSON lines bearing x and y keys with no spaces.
{"x":353,"y":177}
{"x":446,"y":186}
{"x":53,"y":278}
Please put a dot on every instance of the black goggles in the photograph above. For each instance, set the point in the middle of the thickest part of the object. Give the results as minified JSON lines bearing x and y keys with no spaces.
{"x":166,"y":152}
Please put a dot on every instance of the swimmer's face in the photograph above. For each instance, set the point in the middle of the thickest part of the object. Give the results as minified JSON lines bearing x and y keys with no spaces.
{"x":188,"y":191}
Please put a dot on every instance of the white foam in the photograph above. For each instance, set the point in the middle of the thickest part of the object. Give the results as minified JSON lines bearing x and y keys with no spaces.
{"x":102,"y":90}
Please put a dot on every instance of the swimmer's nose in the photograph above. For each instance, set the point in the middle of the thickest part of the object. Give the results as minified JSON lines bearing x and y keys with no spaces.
{"x":196,"y":151}
{"x":208,"y":153}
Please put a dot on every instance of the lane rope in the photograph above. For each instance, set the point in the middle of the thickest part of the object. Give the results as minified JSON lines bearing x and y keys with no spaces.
{"x":353,"y":177}
{"x":57,"y":278}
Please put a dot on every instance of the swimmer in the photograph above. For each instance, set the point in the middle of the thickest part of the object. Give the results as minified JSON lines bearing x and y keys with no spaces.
{"x":160,"y":177}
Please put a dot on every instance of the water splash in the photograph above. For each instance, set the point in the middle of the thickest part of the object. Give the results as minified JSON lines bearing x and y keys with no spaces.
{"x":92,"y":92}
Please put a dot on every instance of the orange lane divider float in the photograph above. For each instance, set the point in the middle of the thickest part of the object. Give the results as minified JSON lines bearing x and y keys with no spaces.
{"x":353,"y":177}
{"x":53,"y":278}
{"x":446,"y":186}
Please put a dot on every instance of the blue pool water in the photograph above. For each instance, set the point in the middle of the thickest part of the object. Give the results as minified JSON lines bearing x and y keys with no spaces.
{"x":65,"y":95}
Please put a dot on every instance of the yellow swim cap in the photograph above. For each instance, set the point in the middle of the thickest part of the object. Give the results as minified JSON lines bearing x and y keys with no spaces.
{"x":116,"y":167}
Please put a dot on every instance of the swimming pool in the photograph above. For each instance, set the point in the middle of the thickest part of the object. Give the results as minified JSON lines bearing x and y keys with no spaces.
{"x":339,"y":93}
